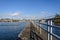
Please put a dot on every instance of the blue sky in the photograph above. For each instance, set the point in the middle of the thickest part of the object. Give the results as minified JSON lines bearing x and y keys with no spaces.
{"x":29,"y":9}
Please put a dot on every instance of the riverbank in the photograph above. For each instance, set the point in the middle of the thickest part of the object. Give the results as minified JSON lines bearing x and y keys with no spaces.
{"x":25,"y":34}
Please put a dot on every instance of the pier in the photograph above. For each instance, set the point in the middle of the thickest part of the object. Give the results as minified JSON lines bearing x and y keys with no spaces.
{"x":35,"y":31}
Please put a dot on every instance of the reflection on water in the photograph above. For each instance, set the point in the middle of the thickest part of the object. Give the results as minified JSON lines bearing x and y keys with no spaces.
{"x":10,"y":30}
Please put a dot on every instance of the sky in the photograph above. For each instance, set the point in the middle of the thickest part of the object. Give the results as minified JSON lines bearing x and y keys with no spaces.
{"x":29,"y":9}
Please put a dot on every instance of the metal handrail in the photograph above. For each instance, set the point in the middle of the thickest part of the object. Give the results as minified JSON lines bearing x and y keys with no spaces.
{"x":34,"y":35}
{"x":56,"y":36}
{"x":50,"y":25}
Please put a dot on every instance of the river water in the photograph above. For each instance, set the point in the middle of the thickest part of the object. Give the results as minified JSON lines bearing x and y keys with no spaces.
{"x":10,"y":30}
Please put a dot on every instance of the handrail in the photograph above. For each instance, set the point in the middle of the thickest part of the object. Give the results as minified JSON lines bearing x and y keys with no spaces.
{"x":50,"y":25}
{"x":32,"y":34}
{"x":56,"y":36}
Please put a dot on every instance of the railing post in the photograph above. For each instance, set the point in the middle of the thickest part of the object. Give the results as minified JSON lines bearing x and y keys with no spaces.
{"x":48,"y":28}
{"x":51,"y":29}
{"x":49,"y":22}
{"x":40,"y":28}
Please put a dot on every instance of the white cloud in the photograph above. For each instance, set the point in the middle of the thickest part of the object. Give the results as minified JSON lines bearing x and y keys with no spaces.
{"x":31,"y":17}
{"x":14,"y":14}
{"x":46,"y":14}
{"x":43,"y":12}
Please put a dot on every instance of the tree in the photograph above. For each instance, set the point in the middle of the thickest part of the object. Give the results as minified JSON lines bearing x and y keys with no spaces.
{"x":57,"y":20}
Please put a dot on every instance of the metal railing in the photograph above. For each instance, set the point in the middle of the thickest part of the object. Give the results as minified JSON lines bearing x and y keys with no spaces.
{"x":49,"y":30}
{"x":33,"y":34}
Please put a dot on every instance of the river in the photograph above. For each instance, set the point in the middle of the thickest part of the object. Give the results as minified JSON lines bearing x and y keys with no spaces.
{"x":10,"y":30}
